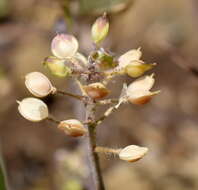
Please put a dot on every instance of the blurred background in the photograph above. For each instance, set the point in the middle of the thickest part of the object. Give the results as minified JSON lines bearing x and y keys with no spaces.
{"x":37,"y":156}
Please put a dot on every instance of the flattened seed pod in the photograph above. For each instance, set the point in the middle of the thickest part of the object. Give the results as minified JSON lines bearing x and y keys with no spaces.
{"x":33,"y":109}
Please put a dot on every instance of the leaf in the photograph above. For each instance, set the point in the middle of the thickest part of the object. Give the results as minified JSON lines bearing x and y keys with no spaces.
{"x":87,"y":6}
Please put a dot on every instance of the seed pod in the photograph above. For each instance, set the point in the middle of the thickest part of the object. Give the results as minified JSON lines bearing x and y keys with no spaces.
{"x":72,"y":127}
{"x":141,"y":97}
{"x":57,"y":66}
{"x":64,"y":45}
{"x":80,"y":57}
{"x":100,"y":29}
{"x":138,"y":92}
{"x":138,"y":68}
{"x":33,"y":109}
{"x":96,"y":90}
{"x":132,"y":153}
{"x":129,"y":56}
{"x":105,"y":61}
{"x":38,"y":84}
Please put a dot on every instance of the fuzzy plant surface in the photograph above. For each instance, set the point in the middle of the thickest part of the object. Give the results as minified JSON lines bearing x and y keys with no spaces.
{"x":92,"y":74}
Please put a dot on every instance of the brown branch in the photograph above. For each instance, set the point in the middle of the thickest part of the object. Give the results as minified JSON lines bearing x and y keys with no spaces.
{"x":106,"y":150}
{"x":51,"y":119}
{"x":94,"y":159}
{"x":78,"y":97}
{"x":181,"y":62}
{"x":107,"y":101}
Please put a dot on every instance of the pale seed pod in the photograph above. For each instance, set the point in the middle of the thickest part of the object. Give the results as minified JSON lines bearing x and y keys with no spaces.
{"x":138,"y":68}
{"x":129,"y":56}
{"x":100,"y":29}
{"x":57,"y":66}
{"x":81,"y":58}
{"x":72,"y":127}
{"x":38,"y":84}
{"x":96,"y":90}
{"x":64,"y":45}
{"x":138,"y":92}
{"x":33,"y":109}
{"x":141,"y":97}
{"x":132,"y":153}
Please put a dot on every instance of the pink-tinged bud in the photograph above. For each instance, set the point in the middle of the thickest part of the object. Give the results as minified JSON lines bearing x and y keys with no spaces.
{"x":33,"y":109}
{"x":132,"y":153}
{"x":129,"y":56}
{"x":57,"y":66}
{"x":38,"y":84}
{"x":72,"y":127}
{"x":138,"y":92}
{"x":100,"y":29}
{"x":64,"y":46}
{"x":96,"y":90}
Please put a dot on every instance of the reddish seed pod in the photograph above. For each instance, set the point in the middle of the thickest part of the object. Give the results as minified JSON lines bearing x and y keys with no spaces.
{"x":72,"y":127}
{"x":96,"y":90}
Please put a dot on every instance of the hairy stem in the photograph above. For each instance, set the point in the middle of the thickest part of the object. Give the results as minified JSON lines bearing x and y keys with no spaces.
{"x":93,"y":156}
{"x":106,"y":150}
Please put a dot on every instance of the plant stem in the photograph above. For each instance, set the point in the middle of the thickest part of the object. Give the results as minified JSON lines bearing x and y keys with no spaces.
{"x":79,"y":97}
{"x":93,"y":156}
{"x":106,"y":150}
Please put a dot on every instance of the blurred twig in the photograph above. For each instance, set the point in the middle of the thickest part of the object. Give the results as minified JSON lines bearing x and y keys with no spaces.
{"x":179,"y":60}
{"x":3,"y":178}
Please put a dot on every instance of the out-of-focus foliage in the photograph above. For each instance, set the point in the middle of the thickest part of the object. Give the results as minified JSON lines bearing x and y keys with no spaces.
{"x":3,"y":8}
{"x":3,"y":178}
{"x":90,"y":6}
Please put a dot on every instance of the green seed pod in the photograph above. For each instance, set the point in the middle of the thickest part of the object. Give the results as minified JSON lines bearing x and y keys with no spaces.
{"x":100,"y":29}
{"x":138,"y":68}
{"x":105,"y":61}
{"x":33,"y":109}
{"x":57,"y":66}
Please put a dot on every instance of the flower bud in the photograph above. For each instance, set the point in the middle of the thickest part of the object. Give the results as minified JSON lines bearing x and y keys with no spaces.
{"x":105,"y":61}
{"x":57,"y":66}
{"x":72,"y":127}
{"x":64,"y":45}
{"x":38,"y":84}
{"x":139,"y":92}
{"x":96,"y":90}
{"x":138,"y":68}
{"x":132,"y":153}
{"x":129,"y":56}
{"x":33,"y":109}
{"x":100,"y":29}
